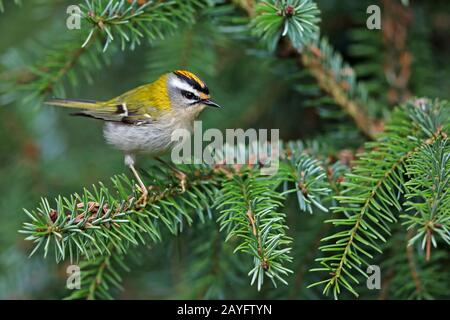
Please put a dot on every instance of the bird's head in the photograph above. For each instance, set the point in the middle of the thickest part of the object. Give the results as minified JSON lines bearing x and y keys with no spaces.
{"x":188,"y":92}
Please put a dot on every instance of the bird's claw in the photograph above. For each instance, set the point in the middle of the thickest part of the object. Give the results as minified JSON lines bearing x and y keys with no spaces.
{"x":143,"y":198}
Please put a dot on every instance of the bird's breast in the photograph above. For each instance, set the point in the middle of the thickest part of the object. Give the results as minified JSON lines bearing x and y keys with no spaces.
{"x":151,"y":138}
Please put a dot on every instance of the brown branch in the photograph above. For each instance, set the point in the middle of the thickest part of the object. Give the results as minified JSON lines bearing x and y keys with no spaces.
{"x":252,"y":221}
{"x":311,"y":59}
{"x":411,"y":263}
{"x":251,"y":217}
{"x":385,"y":284}
{"x":93,"y":207}
{"x":397,"y":61}
{"x":428,"y":245}
{"x":389,"y":275}
{"x":247,"y":5}
{"x":94,"y":211}
{"x":98,"y":277}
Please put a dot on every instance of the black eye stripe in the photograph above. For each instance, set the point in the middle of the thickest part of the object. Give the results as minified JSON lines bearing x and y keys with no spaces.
{"x":189,"y":95}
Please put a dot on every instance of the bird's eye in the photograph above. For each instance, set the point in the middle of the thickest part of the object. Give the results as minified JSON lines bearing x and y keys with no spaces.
{"x":188,"y":95}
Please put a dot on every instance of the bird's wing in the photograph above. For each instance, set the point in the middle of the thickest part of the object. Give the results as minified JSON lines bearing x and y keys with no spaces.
{"x":136,"y":106}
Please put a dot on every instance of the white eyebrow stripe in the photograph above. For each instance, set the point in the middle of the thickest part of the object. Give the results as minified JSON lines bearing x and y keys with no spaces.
{"x":183,"y":86}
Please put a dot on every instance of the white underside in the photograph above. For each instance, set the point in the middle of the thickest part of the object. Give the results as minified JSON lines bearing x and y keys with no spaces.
{"x":152,"y":138}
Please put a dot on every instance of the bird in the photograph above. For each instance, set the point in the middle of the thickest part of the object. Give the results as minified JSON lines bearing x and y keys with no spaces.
{"x":142,"y":120}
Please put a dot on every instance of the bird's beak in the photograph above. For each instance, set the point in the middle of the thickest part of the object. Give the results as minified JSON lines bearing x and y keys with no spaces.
{"x":210,"y":103}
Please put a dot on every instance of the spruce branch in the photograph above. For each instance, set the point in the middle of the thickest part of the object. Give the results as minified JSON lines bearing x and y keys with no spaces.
{"x":339,"y":81}
{"x":429,"y":173}
{"x":249,"y":211}
{"x":133,"y":22}
{"x":66,"y":62}
{"x":335,"y":176}
{"x":410,"y":275}
{"x":99,"y":276}
{"x":384,"y":58}
{"x":373,"y":190}
{"x":397,"y":62}
{"x":82,"y":54}
{"x":296,"y":19}
{"x":101,"y":220}
{"x":308,"y":177}
{"x":212,"y":266}
{"x":69,"y":58}
{"x":334,"y":76}
{"x":412,"y":265}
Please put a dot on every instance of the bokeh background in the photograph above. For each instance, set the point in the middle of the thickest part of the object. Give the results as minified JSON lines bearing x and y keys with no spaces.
{"x":46,"y":152}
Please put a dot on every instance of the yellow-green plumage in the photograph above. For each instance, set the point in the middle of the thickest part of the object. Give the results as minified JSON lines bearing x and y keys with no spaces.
{"x":140,"y":104}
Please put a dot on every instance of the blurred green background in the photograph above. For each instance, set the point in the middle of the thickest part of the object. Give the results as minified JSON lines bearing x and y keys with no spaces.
{"x":46,"y":152}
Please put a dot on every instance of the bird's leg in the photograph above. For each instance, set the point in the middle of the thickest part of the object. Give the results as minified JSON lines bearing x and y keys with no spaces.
{"x":178,"y":173}
{"x":143,"y":198}
{"x":129,"y":161}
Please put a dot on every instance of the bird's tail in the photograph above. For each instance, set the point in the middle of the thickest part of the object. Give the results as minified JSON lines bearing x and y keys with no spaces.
{"x":74,"y":103}
{"x":90,"y":108}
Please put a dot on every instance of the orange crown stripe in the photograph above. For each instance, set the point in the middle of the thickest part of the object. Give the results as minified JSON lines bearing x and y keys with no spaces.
{"x":192,"y":76}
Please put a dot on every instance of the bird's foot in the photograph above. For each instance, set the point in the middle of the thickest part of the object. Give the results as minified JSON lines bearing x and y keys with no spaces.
{"x":143,"y":198}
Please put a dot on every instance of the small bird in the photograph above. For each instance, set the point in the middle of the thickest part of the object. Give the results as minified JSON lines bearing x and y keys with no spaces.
{"x":142,"y":120}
